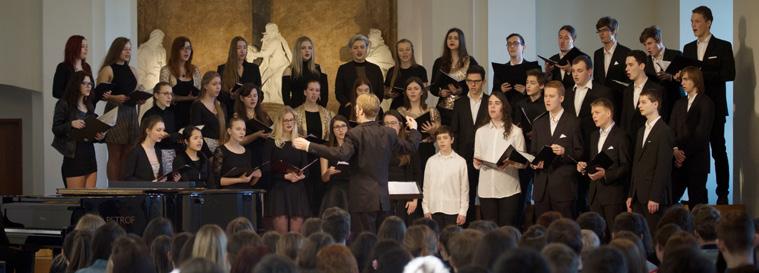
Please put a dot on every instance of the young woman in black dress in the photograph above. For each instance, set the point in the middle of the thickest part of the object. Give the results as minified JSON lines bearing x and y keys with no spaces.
{"x":303,"y":68}
{"x":287,"y":199}
{"x":336,"y":174}
{"x":234,"y":155}
{"x":236,"y":72}
{"x":192,"y":164}
{"x":162,"y":107}
{"x":248,"y":108}
{"x":183,"y":77}
{"x":416,"y":106}
{"x":209,"y":112}
{"x":403,"y":167}
{"x":405,"y":68}
{"x":361,"y":86}
{"x":358,"y":67}
{"x":75,"y":59}
{"x":79,"y":166}
{"x":116,"y":81}
{"x":454,"y":62}
{"x":143,"y":163}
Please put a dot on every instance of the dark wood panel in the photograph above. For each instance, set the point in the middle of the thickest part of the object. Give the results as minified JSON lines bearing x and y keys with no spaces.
{"x":11,"y":156}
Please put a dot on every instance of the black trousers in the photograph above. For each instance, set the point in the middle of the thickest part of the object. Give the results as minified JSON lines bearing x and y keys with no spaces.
{"x":651,"y":219}
{"x":719,"y":153}
{"x":566,"y":208}
{"x":502,"y":211}
{"x":443,"y":220}
{"x":474,"y":179}
{"x":694,"y":181}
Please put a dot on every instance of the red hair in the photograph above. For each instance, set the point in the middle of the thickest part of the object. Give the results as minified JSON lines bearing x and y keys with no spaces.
{"x":73,"y":51}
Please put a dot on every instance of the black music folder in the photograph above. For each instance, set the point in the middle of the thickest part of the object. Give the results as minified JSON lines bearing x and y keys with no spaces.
{"x":680,"y":62}
{"x":239,"y":171}
{"x":281,"y":166}
{"x":600,"y":160}
{"x":510,"y":154}
{"x":446,"y":79}
{"x":137,"y":96}
{"x":315,"y":139}
{"x":513,"y":74}
{"x":257,"y":125}
{"x":94,"y":125}
{"x":546,"y":155}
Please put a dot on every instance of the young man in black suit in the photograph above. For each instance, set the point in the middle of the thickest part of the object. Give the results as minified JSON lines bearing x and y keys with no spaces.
{"x":567,"y":52}
{"x":607,"y":187}
{"x":691,"y":121}
{"x":368,"y":148}
{"x":635,"y":67}
{"x":468,"y":113}
{"x":556,"y":181}
{"x":518,"y":65}
{"x":718,"y":67}
{"x":609,"y":60}
{"x":650,"y":186}
{"x":658,"y":59}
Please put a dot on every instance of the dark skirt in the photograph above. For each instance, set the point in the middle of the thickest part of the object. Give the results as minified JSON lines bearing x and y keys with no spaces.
{"x":83,"y":162}
{"x":336,"y":196}
{"x":127,"y":127}
{"x":288,"y":199}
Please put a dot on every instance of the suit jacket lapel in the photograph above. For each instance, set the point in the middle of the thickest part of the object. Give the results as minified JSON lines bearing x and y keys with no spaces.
{"x":482,"y":111}
{"x":594,"y":139}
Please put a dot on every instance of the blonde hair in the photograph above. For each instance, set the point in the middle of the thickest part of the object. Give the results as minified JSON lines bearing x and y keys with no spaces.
{"x":297,"y":62}
{"x":369,"y":103}
{"x":211,"y":243}
{"x":279,"y":135}
{"x":89,"y":222}
{"x":220,"y":115}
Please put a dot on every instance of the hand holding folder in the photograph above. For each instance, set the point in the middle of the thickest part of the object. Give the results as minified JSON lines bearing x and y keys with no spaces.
{"x":93,"y":126}
{"x":511,"y":155}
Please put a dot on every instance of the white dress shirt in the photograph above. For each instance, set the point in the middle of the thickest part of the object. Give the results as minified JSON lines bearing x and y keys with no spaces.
{"x":446,"y":185}
{"x":474,"y":106}
{"x":701,"y":46}
{"x":658,"y":61}
{"x":603,"y":134}
{"x":607,"y":57}
{"x":691,"y":98}
{"x":554,"y":120}
{"x":489,"y":145}
{"x":580,"y":93}
{"x":649,"y":125}
{"x":637,"y":89}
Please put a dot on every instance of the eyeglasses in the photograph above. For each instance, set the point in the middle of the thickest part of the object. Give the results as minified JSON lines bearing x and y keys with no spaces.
{"x":473,"y":81}
{"x":87,"y":84}
{"x":392,"y":123}
{"x":603,"y":29}
{"x":514,"y":44}
{"x":288,"y":120}
{"x":341,"y":126}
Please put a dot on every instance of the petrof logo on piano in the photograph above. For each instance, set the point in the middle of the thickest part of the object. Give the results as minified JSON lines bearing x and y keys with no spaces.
{"x":122,"y":220}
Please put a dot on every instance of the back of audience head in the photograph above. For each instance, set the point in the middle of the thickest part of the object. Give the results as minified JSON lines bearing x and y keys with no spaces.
{"x":590,"y":240}
{"x":547,"y":218}
{"x":270,"y":239}
{"x":426,"y":264}
{"x":635,"y":262}
{"x":561,"y":258}
{"x":686,"y":259}
{"x":512,"y":232}
{"x":130,"y":255}
{"x":239,"y":224}
{"x":289,"y":244}
{"x":361,"y":247}
{"x":593,"y":221}
{"x":662,"y":235}
{"x":248,"y":258}
{"x":534,"y":238}
{"x":491,"y":246}
{"x":632,"y":237}
{"x":275,"y":264}
{"x":185,"y":252}
{"x":200,"y":265}
{"x":420,"y":240}
{"x":735,"y":235}
{"x":679,"y":216}
{"x":311,"y":246}
{"x":102,"y":241}
{"x":310,"y":226}
{"x":159,"y":250}
{"x":461,"y":247}
{"x":336,"y":259}
{"x":567,"y":232}
{"x":337,"y":222}
{"x":521,"y":260}
{"x":240,"y":240}
{"x":89,"y":222}
{"x":680,"y":239}
{"x":604,"y":259}
{"x":445,"y":236}
{"x":705,"y":219}
{"x":388,"y":257}
{"x":211,"y":243}
{"x":80,"y":252}
{"x":483,"y":226}
{"x":157,"y":227}
{"x":392,"y":228}
{"x":628,"y":221}
{"x":430,"y":223}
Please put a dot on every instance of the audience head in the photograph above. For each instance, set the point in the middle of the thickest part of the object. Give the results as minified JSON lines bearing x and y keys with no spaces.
{"x":635,"y":223}
{"x":632,"y":254}
{"x":89,"y":222}
{"x":430,"y":223}
{"x":392,"y":228}
{"x":491,"y":246}
{"x":361,"y":247}
{"x":705,"y":219}
{"x":200,"y":265}
{"x":679,"y":216}
{"x":289,"y":244}
{"x":445,"y":235}
{"x":420,"y":240}
{"x":129,"y":255}
{"x":177,"y":243}
{"x":604,"y":259}
{"x":239,"y":224}
{"x":521,"y":260}
{"x":270,"y":239}
{"x":275,"y":264}
{"x":80,"y":252}
{"x":337,"y":223}
{"x":735,"y":233}
{"x":311,"y":225}
{"x":102,"y":241}
{"x":593,"y":221}
{"x":589,"y":240}
{"x":160,"y":250}
{"x":211,"y":243}
{"x":687,"y":259}
{"x":336,"y":259}
{"x":483,"y":226}
{"x":240,"y":240}
{"x":388,"y":257}
{"x":311,"y":246}
{"x":157,"y":227}
{"x":678,"y":240}
{"x":567,"y":232}
{"x":635,"y":239}
{"x":185,"y":253}
{"x":512,"y":232}
{"x":462,"y":245}
{"x":662,"y":235}
{"x":534,"y":238}
{"x":248,"y":258}
{"x":561,"y":258}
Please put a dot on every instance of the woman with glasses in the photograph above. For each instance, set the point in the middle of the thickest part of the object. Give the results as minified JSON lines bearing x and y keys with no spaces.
{"x":313,"y":121}
{"x":162,"y":98}
{"x":335,"y":174}
{"x":183,"y":77}
{"x":404,"y":167}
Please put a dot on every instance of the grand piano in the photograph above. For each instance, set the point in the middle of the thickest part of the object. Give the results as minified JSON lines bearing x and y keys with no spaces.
{"x":34,"y":222}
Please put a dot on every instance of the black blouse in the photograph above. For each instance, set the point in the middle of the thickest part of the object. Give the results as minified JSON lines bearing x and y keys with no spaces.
{"x":250,"y":73}
{"x":63,"y":74}
{"x":137,"y":165}
{"x":200,"y":115}
{"x":437,"y":74}
{"x":195,"y":170}
{"x":167,"y":115}
{"x":224,"y":160}
{"x":292,"y":87}
{"x":347,"y":74}
{"x":400,"y":81}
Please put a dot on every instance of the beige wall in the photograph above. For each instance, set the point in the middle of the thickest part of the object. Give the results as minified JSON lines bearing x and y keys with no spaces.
{"x":20,"y":59}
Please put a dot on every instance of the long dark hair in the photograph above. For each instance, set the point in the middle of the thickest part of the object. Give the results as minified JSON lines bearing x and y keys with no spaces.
{"x":73,"y":90}
{"x":240,"y":110}
{"x":397,"y":58}
{"x":231,"y":77}
{"x":332,"y":139}
{"x":422,"y":100}
{"x":402,"y":134}
{"x":176,"y":50}
{"x":114,"y":52}
{"x":73,"y":51}
{"x":505,"y":113}
{"x":148,"y":123}
{"x":359,"y":81}
{"x":447,"y":61}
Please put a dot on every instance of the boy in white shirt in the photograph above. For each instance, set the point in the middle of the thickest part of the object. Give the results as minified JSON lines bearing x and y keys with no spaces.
{"x":446,"y":183}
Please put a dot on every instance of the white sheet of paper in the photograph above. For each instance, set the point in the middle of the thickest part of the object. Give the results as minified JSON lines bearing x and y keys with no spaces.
{"x":110,"y":117}
{"x":402,"y":187}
